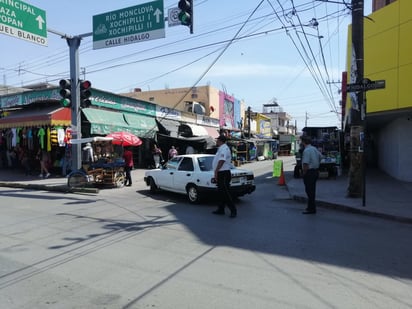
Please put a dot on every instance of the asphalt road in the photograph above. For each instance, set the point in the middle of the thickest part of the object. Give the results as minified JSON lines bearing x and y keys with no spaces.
{"x":124,"y":248}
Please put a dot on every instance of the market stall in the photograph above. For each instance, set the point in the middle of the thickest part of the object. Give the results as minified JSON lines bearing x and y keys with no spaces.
{"x":328,"y":141}
{"x":102,"y":163}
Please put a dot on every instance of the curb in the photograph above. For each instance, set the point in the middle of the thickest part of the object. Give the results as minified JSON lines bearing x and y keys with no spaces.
{"x":349,"y":209}
{"x":57,"y":188}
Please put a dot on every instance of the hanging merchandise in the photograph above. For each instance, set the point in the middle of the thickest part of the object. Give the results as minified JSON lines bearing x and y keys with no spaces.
{"x":40,"y":134}
{"x":48,"y":139}
{"x":60,"y":137}
{"x":53,"y":137}
{"x":14,"y":138}
{"x":68,"y":135}
{"x":30,"y":138}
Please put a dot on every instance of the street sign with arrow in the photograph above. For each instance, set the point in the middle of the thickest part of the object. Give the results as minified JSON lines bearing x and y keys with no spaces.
{"x":129,"y":25}
{"x":23,"y":21}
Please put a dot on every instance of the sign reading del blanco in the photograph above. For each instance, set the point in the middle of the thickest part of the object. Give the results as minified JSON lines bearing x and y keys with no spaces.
{"x":130,"y":25}
{"x":23,"y":21}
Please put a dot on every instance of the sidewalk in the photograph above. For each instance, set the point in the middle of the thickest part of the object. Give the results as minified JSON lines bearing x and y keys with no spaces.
{"x":385,"y":197}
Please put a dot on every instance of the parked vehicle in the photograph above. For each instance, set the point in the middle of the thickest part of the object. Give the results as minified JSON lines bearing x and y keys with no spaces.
{"x":193,"y":175}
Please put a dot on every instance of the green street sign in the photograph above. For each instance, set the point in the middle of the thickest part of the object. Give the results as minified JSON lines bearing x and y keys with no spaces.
{"x":130,"y":25}
{"x":23,"y":21}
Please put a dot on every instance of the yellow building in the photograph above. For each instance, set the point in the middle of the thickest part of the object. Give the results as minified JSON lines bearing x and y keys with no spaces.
{"x":388,"y":56}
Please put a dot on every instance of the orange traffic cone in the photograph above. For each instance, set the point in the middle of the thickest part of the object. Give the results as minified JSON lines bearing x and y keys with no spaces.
{"x":282,"y":181}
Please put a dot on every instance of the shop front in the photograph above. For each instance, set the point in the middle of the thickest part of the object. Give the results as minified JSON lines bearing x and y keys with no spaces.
{"x":101,"y":122}
{"x":26,"y":129}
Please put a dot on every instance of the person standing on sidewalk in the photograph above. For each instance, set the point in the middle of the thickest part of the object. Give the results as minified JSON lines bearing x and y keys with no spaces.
{"x":157,"y":156}
{"x":221,"y":166}
{"x":128,"y":166}
{"x":172,"y":152}
{"x":310,"y":170}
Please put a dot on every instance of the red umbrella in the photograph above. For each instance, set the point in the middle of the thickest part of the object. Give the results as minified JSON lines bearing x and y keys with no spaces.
{"x":125,"y":139}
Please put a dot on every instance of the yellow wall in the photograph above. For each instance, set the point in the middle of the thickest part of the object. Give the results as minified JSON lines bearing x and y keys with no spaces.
{"x":388,"y":56}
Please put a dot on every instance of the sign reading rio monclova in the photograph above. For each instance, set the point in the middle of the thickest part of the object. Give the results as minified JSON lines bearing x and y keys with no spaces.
{"x":130,"y":25}
{"x":23,"y":21}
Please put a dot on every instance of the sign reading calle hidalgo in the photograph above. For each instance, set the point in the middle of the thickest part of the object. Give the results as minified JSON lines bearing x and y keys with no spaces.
{"x":130,"y":25}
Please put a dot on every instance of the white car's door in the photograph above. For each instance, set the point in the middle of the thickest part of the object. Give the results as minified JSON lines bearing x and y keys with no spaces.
{"x":164,"y":179}
{"x":183,"y":175}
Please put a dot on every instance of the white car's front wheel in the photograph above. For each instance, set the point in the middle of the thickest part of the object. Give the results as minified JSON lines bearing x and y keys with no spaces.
{"x":193,"y":194}
{"x":152,"y":185}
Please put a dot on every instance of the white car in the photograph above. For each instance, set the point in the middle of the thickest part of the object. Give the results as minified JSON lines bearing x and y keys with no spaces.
{"x":193,"y":175}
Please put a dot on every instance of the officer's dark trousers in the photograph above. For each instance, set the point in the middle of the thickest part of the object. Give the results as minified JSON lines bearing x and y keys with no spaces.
{"x":223,"y":187}
{"x":309,"y":180}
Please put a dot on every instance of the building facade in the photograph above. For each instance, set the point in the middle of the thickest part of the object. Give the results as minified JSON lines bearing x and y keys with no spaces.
{"x":378,"y":4}
{"x":388,"y":56}
{"x":202,"y":100}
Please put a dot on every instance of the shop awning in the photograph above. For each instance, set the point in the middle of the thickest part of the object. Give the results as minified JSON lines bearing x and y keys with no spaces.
{"x":189,"y":129}
{"x":212,"y":132}
{"x":103,"y":122}
{"x":49,"y":116}
{"x":142,"y":126}
{"x":180,"y":141}
{"x":168,"y":127}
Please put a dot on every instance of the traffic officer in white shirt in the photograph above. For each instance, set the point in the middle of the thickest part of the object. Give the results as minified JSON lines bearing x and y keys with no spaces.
{"x":221,"y":168}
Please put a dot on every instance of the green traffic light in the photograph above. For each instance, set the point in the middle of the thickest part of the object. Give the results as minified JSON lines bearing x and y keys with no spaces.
{"x":65,"y":102}
{"x":184,"y":18}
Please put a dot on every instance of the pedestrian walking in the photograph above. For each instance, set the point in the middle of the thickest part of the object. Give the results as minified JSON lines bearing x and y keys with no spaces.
{"x":221,"y":167}
{"x":310,"y":171}
{"x":172,"y":152}
{"x":157,"y":155}
{"x":128,"y":165}
{"x":44,"y":158}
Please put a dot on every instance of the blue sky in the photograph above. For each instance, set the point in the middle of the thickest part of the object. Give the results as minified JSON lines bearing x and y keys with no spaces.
{"x":258,"y":51}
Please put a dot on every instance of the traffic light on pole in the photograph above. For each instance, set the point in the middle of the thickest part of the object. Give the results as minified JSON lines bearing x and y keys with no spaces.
{"x":65,"y":93}
{"x":85,"y":93}
{"x":186,"y":13}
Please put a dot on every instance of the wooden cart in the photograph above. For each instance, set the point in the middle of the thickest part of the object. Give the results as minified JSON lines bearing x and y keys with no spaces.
{"x":105,"y":171}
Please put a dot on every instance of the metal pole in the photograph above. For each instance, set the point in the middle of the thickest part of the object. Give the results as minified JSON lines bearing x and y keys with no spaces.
{"x":356,"y":171}
{"x":74,"y":44}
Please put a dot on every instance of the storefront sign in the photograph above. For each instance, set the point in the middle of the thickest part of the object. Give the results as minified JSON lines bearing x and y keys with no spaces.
{"x":207,"y":121}
{"x":168,"y":113}
{"x":29,"y":97}
{"x":105,"y":99}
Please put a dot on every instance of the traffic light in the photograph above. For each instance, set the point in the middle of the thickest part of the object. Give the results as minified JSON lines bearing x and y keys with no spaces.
{"x":186,"y":13}
{"x":85,"y":93}
{"x":65,"y":93}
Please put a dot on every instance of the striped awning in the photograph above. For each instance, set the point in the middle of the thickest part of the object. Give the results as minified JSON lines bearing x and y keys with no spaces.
{"x":34,"y":117}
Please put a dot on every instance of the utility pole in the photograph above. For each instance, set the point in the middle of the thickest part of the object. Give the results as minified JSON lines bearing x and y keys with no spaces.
{"x":358,"y":109}
{"x":249,"y":109}
{"x":306,"y":119}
